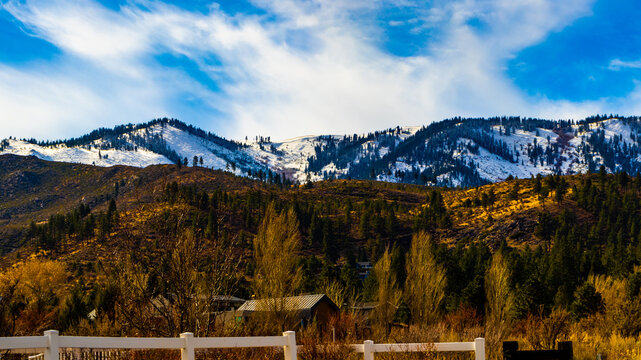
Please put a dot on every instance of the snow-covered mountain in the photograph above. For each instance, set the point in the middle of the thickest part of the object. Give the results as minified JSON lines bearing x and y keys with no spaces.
{"x":454,"y":152}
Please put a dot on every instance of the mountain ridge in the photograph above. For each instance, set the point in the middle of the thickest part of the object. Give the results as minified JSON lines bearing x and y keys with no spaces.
{"x":453,"y":152}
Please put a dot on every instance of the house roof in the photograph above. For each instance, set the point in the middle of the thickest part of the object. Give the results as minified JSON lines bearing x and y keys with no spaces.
{"x":364,"y":306}
{"x":227,"y":298}
{"x":292,"y":303}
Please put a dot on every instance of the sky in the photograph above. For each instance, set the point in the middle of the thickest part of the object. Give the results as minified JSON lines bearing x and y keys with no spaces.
{"x":286,"y":68}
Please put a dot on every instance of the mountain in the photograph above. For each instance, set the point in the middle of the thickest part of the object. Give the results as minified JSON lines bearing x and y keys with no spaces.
{"x":453,"y":152}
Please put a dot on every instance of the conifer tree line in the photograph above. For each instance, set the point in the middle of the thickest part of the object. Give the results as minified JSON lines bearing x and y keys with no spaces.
{"x":80,"y":224}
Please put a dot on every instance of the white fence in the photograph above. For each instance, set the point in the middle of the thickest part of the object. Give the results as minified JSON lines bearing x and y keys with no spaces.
{"x":368,"y":348}
{"x":50,"y":345}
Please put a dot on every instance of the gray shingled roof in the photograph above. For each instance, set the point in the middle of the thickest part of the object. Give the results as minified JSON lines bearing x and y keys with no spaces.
{"x":292,"y":303}
{"x":227,"y":298}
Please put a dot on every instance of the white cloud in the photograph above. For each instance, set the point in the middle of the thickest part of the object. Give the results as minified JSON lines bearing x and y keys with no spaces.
{"x":333,"y":79}
{"x":49,"y":103}
{"x":87,"y":30}
{"x":617,"y":64}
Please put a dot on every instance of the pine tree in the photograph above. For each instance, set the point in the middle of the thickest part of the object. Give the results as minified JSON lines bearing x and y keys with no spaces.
{"x":514,"y":193}
{"x":602,"y":176}
{"x":587,"y":301}
{"x":561,"y":189}
{"x":537,"y":184}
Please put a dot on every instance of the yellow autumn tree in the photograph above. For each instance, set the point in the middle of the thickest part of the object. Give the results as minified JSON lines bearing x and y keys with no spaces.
{"x":500,"y":300}
{"x":38,"y":284}
{"x":425,"y":282}
{"x":278,"y":273}
{"x":388,"y":295}
{"x":36,"y":281}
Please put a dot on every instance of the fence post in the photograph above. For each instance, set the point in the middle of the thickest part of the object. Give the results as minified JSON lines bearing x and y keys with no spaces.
{"x":52,"y":351}
{"x":479,"y":349}
{"x":509,"y":349}
{"x":368,"y":350}
{"x":187,"y":352}
{"x":565,"y":348}
{"x":290,"y":348}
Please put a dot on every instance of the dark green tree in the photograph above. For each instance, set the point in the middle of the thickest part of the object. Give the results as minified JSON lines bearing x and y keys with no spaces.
{"x":587,"y":301}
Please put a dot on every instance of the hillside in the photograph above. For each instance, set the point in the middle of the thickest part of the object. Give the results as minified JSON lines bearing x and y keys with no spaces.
{"x":451,"y":153}
{"x":34,"y":189}
{"x":337,"y":217}
{"x":117,"y":240}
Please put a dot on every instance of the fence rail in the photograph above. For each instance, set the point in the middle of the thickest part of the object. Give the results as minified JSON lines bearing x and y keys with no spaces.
{"x":51,"y":343}
{"x":368,"y":348}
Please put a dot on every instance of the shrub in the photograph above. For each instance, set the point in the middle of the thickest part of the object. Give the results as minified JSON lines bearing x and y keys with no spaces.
{"x":587,"y":301}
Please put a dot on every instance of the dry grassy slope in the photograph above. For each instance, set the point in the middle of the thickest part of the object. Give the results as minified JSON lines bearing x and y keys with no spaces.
{"x":35,"y":189}
{"x":513,"y":220}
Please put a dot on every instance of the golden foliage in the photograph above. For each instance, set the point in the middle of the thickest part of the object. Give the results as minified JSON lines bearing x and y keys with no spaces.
{"x":500,"y":300}
{"x":542,"y":332}
{"x":587,"y":344}
{"x":338,"y":293}
{"x":35,"y":279}
{"x":278,"y":272}
{"x":388,"y":294}
{"x":612,"y":290}
{"x":425,"y":282}
{"x":276,"y":250}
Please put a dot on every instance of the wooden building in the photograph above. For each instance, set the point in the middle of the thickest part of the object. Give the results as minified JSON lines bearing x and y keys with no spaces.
{"x":306,"y":308}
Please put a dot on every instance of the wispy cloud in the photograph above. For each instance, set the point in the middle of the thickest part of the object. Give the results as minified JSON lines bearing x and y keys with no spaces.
{"x":62,"y":101}
{"x":304,"y":67}
{"x":617,"y":64}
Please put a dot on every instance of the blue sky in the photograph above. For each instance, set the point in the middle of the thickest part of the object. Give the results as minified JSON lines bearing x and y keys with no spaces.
{"x":284,"y":68}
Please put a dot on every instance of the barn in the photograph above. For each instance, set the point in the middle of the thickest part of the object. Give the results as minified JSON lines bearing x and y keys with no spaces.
{"x":306,"y":308}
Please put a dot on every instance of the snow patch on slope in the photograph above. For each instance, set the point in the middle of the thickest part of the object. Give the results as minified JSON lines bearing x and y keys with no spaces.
{"x":89,"y":156}
{"x":188,"y":146}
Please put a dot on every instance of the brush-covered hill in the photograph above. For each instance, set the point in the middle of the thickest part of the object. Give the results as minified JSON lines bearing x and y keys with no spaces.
{"x":33,"y":189}
{"x":117,"y":237}
{"x":46,"y":205}
{"x":450,"y":153}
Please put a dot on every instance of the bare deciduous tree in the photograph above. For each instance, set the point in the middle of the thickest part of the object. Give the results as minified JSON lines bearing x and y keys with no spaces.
{"x":180,"y":295}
